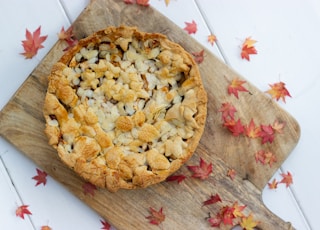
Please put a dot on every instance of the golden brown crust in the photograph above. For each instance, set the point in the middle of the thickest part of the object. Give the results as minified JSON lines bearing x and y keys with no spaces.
{"x":124,"y":108}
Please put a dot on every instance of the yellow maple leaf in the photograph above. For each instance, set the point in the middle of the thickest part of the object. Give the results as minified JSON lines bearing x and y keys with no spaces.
{"x":167,"y":2}
{"x":247,"y":223}
{"x":249,"y":42}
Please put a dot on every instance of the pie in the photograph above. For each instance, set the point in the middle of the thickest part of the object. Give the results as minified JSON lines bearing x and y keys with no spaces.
{"x":124,"y":108}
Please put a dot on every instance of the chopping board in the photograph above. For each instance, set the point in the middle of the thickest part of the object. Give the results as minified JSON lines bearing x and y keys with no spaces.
{"x":22,"y":124}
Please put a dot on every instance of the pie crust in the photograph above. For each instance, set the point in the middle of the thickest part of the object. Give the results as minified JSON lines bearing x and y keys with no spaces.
{"x":124,"y":108}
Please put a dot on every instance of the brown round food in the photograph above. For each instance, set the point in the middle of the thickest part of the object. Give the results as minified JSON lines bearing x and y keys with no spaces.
{"x":125,"y":108}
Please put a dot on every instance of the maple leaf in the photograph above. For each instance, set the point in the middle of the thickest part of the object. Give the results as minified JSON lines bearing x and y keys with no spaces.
{"x":41,"y":178}
{"x":213,"y":199}
{"x":266,"y":133}
{"x":278,"y":126}
{"x":286,"y":179}
{"x":227,"y":215}
{"x":248,"y":48}
{"x":278,"y":90}
{"x":237,"y":210}
{"x":231,"y":173}
{"x":202,"y":171}
{"x":270,"y":158}
{"x":191,"y":27}
{"x":33,"y":43}
{"x":156,"y":217}
{"x":212,"y":39}
{"x":252,"y":130}
{"x":129,"y":1}
{"x":105,"y":225}
{"x":273,"y":184}
{"x":68,"y":37}
{"x":167,"y":2}
{"x":247,"y":223}
{"x":23,"y":210}
{"x":198,"y":56}
{"x":236,"y":86}
{"x":228,"y":111}
{"x":215,"y":221}
{"x":89,"y":188}
{"x":46,"y":227}
{"x":179,"y":178}
{"x":235,"y":127}
{"x":260,"y":157}
{"x":142,"y":2}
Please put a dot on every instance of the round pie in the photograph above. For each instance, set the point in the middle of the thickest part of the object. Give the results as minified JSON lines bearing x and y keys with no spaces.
{"x":125,"y":108}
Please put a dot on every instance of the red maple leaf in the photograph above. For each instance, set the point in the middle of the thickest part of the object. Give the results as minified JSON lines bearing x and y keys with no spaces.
{"x":105,"y":225}
{"x":198,"y":56}
{"x":191,"y":28}
{"x":266,"y":133}
{"x":286,"y":179}
{"x":68,"y":37}
{"x":260,"y":157}
{"x":156,"y":217}
{"x":248,"y":48}
{"x":213,"y":199}
{"x":227,"y":215}
{"x":23,"y":210}
{"x":228,"y":111}
{"x":89,"y":188}
{"x":179,"y":178}
{"x":201,"y":171}
{"x":278,"y":90}
{"x":41,"y":178}
{"x":33,"y":43}
{"x":235,"y":127}
{"x":252,"y":130}
{"x":235,"y":86}
{"x":215,"y":221}
{"x":138,"y":2}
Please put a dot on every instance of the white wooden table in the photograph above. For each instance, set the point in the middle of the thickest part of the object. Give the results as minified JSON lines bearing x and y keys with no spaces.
{"x":288,"y":35}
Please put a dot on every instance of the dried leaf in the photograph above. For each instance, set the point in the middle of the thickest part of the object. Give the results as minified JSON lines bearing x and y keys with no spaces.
{"x":41,"y":178}
{"x":156,"y":217}
{"x":232,"y":174}
{"x":270,"y":158}
{"x":212,"y":39}
{"x":286,"y":179}
{"x":273,"y":184}
{"x":278,"y":90}
{"x":179,"y":178}
{"x":201,"y":171}
{"x":33,"y":43}
{"x":142,"y":2}
{"x":237,"y":210}
{"x":167,"y":2}
{"x":23,"y":210}
{"x":89,"y":188}
{"x":228,"y":111}
{"x":260,"y":157}
{"x":278,"y":126}
{"x":105,"y":225}
{"x":247,"y":223}
{"x":235,"y":86}
{"x":266,"y":133}
{"x":235,"y":127}
{"x":248,"y":48}
{"x":46,"y":227}
{"x":191,"y":28}
{"x":213,"y":199}
{"x":252,"y":130}
{"x":198,"y":56}
{"x":227,"y":215}
{"x":215,"y":221}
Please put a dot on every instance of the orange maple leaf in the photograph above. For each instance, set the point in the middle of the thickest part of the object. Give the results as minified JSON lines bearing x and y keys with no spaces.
{"x":247,"y":223}
{"x":273,"y":184}
{"x":32,"y":43}
{"x":270,"y":158}
{"x":231,"y":173}
{"x":212,"y":39}
{"x":248,"y":48}
{"x":23,"y":210}
{"x":278,"y":90}
{"x":191,"y":28}
{"x":252,"y":130}
{"x":286,"y":179}
{"x":237,"y":210}
{"x":46,"y":227}
{"x":235,"y":86}
{"x":167,"y":2}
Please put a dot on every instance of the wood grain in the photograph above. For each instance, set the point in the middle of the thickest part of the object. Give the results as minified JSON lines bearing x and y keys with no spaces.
{"x":22,"y":124}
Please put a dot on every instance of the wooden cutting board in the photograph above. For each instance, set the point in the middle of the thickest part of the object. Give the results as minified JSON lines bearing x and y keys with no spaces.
{"x":22,"y":124}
